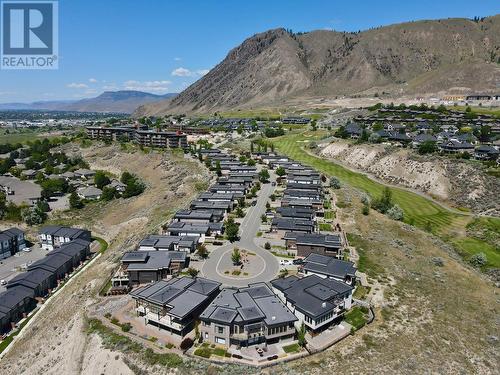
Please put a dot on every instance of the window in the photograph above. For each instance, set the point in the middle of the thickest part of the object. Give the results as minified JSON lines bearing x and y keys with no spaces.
{"x":206,"y":335}
{"x":220,"y":330}
{"x":220,"y":340}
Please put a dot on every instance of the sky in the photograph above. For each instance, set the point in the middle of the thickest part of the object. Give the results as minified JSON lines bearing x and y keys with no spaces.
{"x":162,"y":46}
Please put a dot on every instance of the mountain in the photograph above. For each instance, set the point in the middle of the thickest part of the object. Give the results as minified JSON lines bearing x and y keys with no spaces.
{"x":109,"y":101}
{"x":276,"y":67}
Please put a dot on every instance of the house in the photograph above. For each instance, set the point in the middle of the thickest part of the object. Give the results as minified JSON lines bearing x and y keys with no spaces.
{"x":198,"y":231}
{"x":176,"y":304}
{"x":422,"y":138}
{"x":292,"y":194}
{"x":15,"y":304}
{"x":68,"y":175}
{"x":11,"y":241}
{"x":199,"y":216}
{"x":54,"y":236}
{"x":39,"y":280}
{"x":218,"y":188}
{"x":89,"y":193}
{"x":84,"y":174}
{"x":118,"y":186}
{"x":306,"y":213}
{"x":211,"y":205}
{"x":299,"y":179}
{"x":315,"y":204}
{"x":141,"y":267}
{"x":314,"y":243}
{"x":285,"y":224}
{"x":329,"y":267}
{"x":457,"y":147}
{"x":60,"y":265}
{"x":20,"y":192}
{"x":354,"y":130}
{"x":315,"y":301}
{"x":247,"y":316}
{"x":78,"y":250}
{"x":29,"y":174}
{"x":486,"y":152}
{"x":155,"y":242}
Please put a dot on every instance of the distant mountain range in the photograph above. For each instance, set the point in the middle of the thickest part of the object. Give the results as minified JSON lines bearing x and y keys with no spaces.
{"x":109,"y":101}
{"x":277,"y":67}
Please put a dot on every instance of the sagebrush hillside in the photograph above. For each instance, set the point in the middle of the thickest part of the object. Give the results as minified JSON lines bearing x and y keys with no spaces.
{"x":276,"y":66}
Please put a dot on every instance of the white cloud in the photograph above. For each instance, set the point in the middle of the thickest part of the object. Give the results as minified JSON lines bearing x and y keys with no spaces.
{"x":77,"y":86}
{"x":183,"y":72}
{"x":92,"y":80}
{"x":110,"y":87}
{"x":177,"y":59}
{"x":148,"y":86}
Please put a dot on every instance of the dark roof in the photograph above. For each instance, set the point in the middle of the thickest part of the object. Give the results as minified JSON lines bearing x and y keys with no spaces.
{"x":329,"y":266}
{"x":312,"y":295}
{"x":181,"y":295}
{"x":326,"y":240}
{"x":12,"y":296}
{"x":52,"y":262}
{"x":56,"y":230}
{"x":255,"y":303}
{"x":30,"y":279}
{"x":152,"y":260}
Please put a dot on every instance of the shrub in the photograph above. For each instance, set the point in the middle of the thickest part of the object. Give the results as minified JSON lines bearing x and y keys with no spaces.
{"x":126,"y":327}
{"x":395,"y":213}
{"x":335,"y":183}
{"x":193,"y":272}
{"x":203,"y":352}
{"x":267,"y":246}
{"x":186,"y":343}
{"x":478,"y":260}
{"x":366,"y":210}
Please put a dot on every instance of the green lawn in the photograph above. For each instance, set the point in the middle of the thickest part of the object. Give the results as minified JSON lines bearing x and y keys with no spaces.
{"x":22,"y":137}
{"x":470,"y":246}
{"x":325,"y":227}
{"x":418,"y":210}
{"x":292,"y":348}
{"x":356,"y":317}
{"x":329,"y":215}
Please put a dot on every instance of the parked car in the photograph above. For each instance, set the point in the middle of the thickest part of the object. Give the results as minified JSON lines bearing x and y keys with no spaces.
{"x":254,"y":203}
{"x":286,"y":262}
{"x":298,"y":261}
{"x":273,"y":183}
{"x":3,"y":282}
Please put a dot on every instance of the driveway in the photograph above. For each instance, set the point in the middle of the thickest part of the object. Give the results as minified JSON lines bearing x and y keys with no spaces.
{"x":266,"y":263}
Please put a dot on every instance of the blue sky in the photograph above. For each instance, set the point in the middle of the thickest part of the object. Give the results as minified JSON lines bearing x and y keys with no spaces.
{"x":163,"y":46}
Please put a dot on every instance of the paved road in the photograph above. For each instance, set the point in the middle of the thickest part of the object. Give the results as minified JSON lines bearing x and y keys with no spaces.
{"x":264,"y":265}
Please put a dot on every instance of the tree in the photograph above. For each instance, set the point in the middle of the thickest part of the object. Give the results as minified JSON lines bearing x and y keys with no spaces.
{"x":264,"y":175}
{"x":108,"y":193}
{"x":374,"y":138}
{"x":239,"y":212}
{"x":341,"y":133}
{"x":218,"y":168}
{"x":335,"y":183}
{"x":186,"y":344}
{"x":33,"y":216}
{"x":384,"y":203}
{"x":232,"y":230}
{"x":193,"y":272}
{"x":280,"y":171}
{"x":236,"y":256}
{"x":395,"y":213}
{"x":202,"y":251}
{"x":75,"y":201}
{"x":427,"y":147}
{"x":251,"y":147}
{"x":263,"y":218}
{"x":478,"y":260}
{"x":267,"y":246}
{"x":100,"y":179}
{"x":301,"y":335}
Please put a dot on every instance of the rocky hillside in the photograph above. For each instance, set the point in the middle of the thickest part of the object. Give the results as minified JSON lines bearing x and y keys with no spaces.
{"x":277,"y":66}
{"x":444,"y":178}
